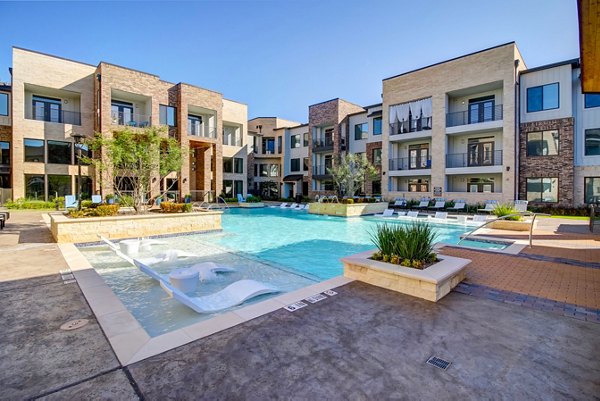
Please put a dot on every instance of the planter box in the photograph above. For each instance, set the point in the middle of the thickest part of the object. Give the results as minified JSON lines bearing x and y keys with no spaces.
{"x":511,"y":225}
{"x":66,"y":229}
{"x":249,"y":205}
{"x":432,"y":283}
{"x":345,"y":210}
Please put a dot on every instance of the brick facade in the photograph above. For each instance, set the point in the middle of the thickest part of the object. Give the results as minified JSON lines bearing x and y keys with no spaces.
{"x":559,"y":166}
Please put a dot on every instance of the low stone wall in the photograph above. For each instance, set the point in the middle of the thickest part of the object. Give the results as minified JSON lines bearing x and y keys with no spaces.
{"x":347,"y":210}
{"x":432,"y":283}
{"x":249,"y":205}
{"x":66,"y":229}
{"x":511,"y":225}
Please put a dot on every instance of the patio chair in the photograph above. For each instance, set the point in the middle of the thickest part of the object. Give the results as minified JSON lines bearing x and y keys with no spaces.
{"x":241,"y":198}
{"x":399,"y":203}
{"x":292,"y":206}
{"x":489,"y":206}
{"x":283,"y":205}
{"x":413,"y":214}
{"x":386,"y":213}
{"x":459,"y":205}
{"x":70,"y":201}
{"x":97,"y":199}
{"x":480,"y":218}
{"x":440,"y":203}
{"x":423,"y":204}
{"x":521,"y":206}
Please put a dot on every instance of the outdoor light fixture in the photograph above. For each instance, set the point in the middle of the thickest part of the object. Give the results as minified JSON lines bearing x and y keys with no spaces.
{"x":78,"y":139}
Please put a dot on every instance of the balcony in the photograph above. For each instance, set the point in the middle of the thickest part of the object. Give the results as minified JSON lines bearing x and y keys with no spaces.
{"x":322,"y":170}
{"x":200,"y":131}
{"x":323,"y":145}
{"x":481,"y":162}
{"x":410,"y":163}
{"x":54,"y":116}
{"x":127,"y":119}
{"x":476,"y":115}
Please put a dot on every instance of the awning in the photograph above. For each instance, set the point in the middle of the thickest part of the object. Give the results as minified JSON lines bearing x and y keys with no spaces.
{"x":293,"y":177}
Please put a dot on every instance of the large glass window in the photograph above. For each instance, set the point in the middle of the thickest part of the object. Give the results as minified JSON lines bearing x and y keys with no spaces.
{"x":418,"y":185}
{"x":47,"y":109}
{"x":542,"y":190}
{"x":591,"y":100}
{"x":5,"y":155}
{"x":480,"y":185}
{"x":279,"y":144}
{"x":592,"y":189}
{"x":238,"y":187}
{"x":305,"y":164}
{"x":264,"y":170}
{"x":544,"y":97}
{"x":195,"y":125}
{"x":59,"y":185}
{"x":238,"y":165}
{"x":230,"y":136}
{"x":3,"y":104}
{"x":274,"y":170}
{"x":543,"y":143}
{"x":228,"y":188}
{"x":592,"y":142}
{"x":295,"y":165}
{"x":361,"y":131}
{"x":86,"y":187}
{"x":121,"y":113}
{"x":305,"y":142}
{"x":377,"y":157}
{"x":418,"y":156}
{"x":295,"y":141}
{"x":59,"y":152}
{"x":268,"y":145}
{"x":34,"y":150}
{"x":34,"y":186}
{"x":168,"y":115}
{"x":377,"y":126}
{"x":227,"y":165}
{"x":376,"y":187}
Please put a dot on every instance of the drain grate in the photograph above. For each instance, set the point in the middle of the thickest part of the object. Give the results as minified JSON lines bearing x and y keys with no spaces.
{"x":438,"y":363}
{"x":74,"y":324}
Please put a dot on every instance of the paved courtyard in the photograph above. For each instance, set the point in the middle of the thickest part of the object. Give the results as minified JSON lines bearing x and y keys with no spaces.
{"x":364,"y":343}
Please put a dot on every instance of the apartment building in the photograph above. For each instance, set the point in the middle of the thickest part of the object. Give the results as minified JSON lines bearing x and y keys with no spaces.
{"x":296,"y":163}
{"x":265,"y":167}
{"x":559,"y":141}
{"x":54,"y":98}
{"x":450,"y":128}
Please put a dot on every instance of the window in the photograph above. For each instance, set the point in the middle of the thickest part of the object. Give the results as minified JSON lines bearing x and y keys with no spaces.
{"x":47,"y":109}
{"x":305,"y":139}
{"x":418,"y":185}
{"x":3,"y":104}
{"x":238,"y":165}
{"x":377,"y":126}
{"x":361,"y":131}
{"x":592,"y":142}
{"x":480,"y":152}
{"x":279,"y":144}
{"x":83,"y":150}
{"x":592,"y":189}
{"x":168,"y":115}
{"x":542,"y":190}
{"x":480,"y":185}
{"x":34,"y":150}
{"x":264,"y":170}
{"x":238,"y":187}
{"x":481,"y":109}
{"x":230,"y":136}
{"x":86,"y":187}
{"x":591,"y":100}
{"x":195,"y":125}
{"x":544,"y":97}
{"x":295,"y":141}
{"x":5,"y":155}
{"x":295,"y":165}
{"x":418,"y":156}
{"x":34,"y":186}
{"x":227,"y":165}
{"x":268,"y":146}
{"x":59,"y":152}
{"x":376,"y":187}
{"x":543,"y":143}
{"x":121,"y":112}
{"x":305,"y":164}
{"x":377,"y":157}
{"x":256,"y":170}
{"x":228,"y":188}
{"x":274,"y":170}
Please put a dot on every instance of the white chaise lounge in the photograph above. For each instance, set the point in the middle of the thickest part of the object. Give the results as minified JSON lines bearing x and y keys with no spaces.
{"x":232,"y":295}
{"x":206,"y":270}
{"x":386,"y":213}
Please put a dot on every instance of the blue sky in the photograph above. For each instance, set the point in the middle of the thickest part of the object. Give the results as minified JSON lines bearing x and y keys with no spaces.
{"x":281,"y":56}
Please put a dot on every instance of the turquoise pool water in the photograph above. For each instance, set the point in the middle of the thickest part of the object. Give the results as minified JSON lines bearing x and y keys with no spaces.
{"x":305,"y":242}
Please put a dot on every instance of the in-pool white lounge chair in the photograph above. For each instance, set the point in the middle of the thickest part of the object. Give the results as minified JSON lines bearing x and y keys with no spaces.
{"x":521,"y":206}
{"x":480,"y":218}
{"x":386,"y":213}
{"x":292,"y":206}
{"x":423,"y":204}
{"x":283,"y":205}
{"x":489,"y":206}
{"x":439,"y":204}
{"x":170,"y":255}
{"x":206,"y":270}
{"x":413,"y":214}
{"x":230,"y":296}
{"x":299,"y":207}
{"x":441,"y":215}
{"x":401,"y":213}
{"x":458,"y":206}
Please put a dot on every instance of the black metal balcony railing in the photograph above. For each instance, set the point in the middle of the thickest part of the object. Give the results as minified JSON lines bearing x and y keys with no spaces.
{"x":474,"y":116}
{"x":412,"y":125}
{"x":322,"y":144}
{"x":474,"y":159}
{"x":322,"y":169}
{"x":56,"y":116}
{"x":130,"y":120}
{"x":410,"y":163}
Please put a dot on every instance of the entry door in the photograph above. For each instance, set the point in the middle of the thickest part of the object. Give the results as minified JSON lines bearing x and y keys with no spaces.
{"x":481,"y":154}
{"x":418,"y":156}
{"x":481,"y":110}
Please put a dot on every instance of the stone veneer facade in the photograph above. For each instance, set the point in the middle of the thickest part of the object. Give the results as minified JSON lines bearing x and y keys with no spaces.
{"x":559,"y":166}
{"x":370,"y":147}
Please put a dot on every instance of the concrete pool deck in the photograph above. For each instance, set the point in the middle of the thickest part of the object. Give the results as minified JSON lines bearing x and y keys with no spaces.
{"x":363,"y":343}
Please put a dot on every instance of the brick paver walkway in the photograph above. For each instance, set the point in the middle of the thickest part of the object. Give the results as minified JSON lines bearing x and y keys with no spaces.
{"x":555,"y":281}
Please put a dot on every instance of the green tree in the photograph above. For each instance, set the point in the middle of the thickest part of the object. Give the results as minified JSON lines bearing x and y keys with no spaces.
{"x":350,"y":172}
{"x":134,"y":158}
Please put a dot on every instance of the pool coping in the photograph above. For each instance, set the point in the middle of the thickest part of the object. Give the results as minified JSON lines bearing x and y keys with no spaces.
{"x":130,"y":341}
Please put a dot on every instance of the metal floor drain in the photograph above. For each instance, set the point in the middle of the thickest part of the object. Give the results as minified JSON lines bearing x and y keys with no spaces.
{"x":438,"y":363}
{"x":74,"y":324}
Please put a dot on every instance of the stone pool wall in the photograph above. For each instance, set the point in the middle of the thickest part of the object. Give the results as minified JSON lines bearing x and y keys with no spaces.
{"x":351,"y":210}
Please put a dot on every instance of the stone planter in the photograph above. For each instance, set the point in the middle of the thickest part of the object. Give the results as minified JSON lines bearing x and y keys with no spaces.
{"x":347,"y":210}
{"x":432,"y":283}
{"x":249,"y":205}
{"x":511,"y":225}
{"x":66,"y":229}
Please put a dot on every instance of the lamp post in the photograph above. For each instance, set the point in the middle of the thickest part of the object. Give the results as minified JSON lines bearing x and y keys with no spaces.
{"x":78,"y":139}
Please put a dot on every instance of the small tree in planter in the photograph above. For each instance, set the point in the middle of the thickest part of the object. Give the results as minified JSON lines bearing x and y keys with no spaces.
{"x":135,"y":157}
{"x":350,"y":173}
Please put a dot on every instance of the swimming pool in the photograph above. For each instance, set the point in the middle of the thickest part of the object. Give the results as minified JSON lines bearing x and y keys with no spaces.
{"x":286,"y":248}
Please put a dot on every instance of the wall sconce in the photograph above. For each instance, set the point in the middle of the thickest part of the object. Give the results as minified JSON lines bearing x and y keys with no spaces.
{"x":153,"y":180}
{"x":184,"y":180}
{"x":507,"y":168}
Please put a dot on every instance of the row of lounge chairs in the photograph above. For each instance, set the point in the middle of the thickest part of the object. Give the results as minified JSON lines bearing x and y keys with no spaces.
{"x":294,"y":206}
{"x":459,"y":205}
{"x":439,"y":216}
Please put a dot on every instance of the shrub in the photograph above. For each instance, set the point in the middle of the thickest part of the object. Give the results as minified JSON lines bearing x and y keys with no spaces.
{"x":410,"y":246}
{"x":505,"y":209}
{"x":33,"y":204}
{"x":104,"y":210}
{"x":74,"y":213}
{"x":171,"y":207}
{"x":561,"y":211}
{"x":349,"y":201}
{"x":86,"y":204}
{"x":126,"y":200}
{"x":253,"y":199}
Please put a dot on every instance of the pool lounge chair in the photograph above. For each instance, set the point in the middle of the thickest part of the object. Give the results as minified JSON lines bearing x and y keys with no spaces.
{"x":423,"y":204}
{"x":97,"y":199}
{"x":283,"y":205}
{"x":292,"y":206}
{"x":521,"y":206}
{"x":206,"y":270}
{"x":458,"y":206}
{"x":480,"y":218}
{"x":399,"y":203}
{"x":439,"y":204}
{"x":489,"y":206}
{"x":241,"y":198}
{"x":386,"y":213}
{"x":413,"y":214}
{"x":401,"y":213}
{"x":230,"y":296}
{"x":70,"y":201}
{"x":440,"y":216}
